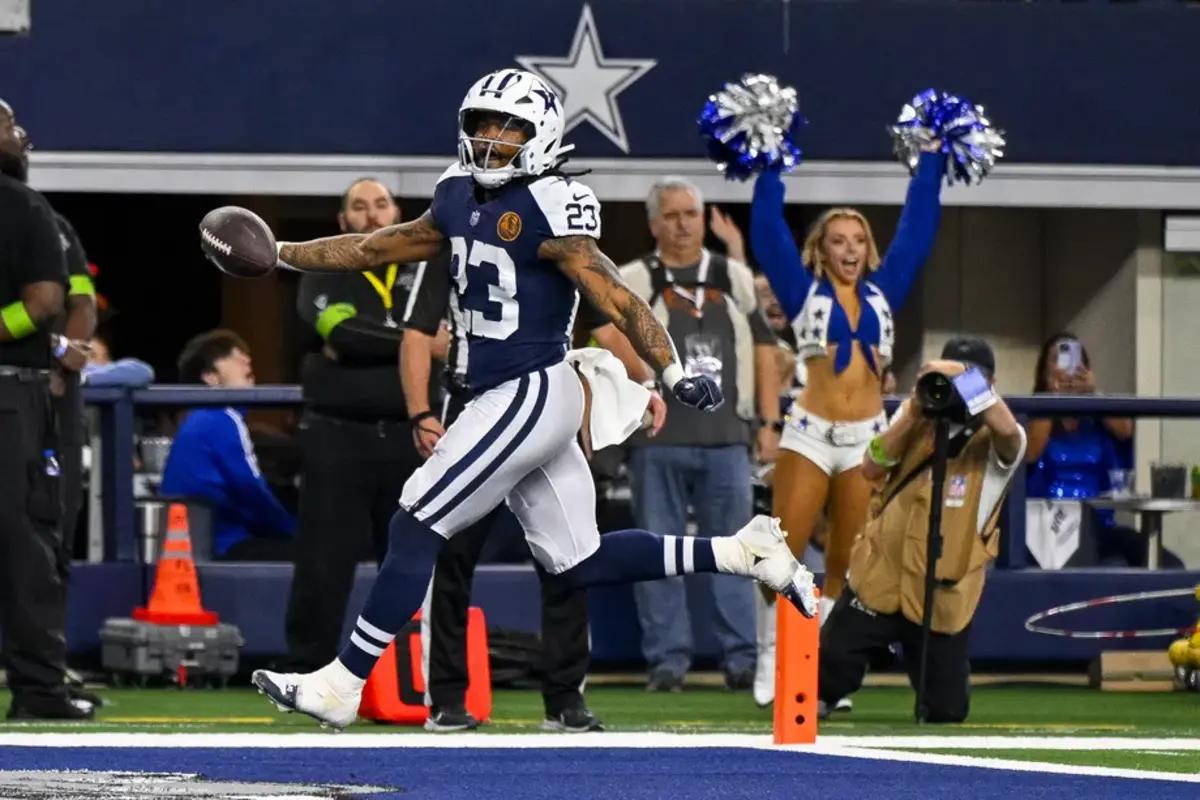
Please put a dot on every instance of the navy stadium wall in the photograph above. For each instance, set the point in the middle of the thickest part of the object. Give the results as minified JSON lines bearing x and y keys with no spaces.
{"x":254,"y":597}
{"x":1073,"y":83}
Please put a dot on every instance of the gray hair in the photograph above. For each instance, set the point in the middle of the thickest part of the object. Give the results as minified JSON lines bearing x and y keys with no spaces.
{"x":668,"y":183}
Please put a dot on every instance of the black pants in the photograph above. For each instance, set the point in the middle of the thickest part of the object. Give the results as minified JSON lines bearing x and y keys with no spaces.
{"x":565,"y":645}
{"x":351,"y":481}
{"x":32,"y":601}
{"x":854,"y":637}
{"x":68,"y":410}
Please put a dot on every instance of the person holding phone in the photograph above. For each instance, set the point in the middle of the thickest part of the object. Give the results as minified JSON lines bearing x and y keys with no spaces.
{"x":884,"y":598}
{"x":1077,"y":458}
{"x":1063,"y":367}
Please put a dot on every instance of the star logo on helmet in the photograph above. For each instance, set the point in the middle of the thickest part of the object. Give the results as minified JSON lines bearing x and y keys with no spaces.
{"x":548,"y":98}
{"x":588,"y":82}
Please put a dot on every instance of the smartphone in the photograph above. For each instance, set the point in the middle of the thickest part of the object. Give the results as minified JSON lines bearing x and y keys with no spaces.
{"x":1070,"y":356}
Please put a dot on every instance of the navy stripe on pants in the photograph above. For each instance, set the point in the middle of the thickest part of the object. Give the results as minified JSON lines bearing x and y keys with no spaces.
{"x":522,"y":435}
{"x":475,"y":453}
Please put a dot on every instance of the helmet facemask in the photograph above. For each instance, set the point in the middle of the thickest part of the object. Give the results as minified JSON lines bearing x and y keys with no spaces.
{"x":476,"y":152}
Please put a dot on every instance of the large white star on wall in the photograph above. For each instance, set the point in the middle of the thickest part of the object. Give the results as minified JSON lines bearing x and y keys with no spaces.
{"x":588,"y":83}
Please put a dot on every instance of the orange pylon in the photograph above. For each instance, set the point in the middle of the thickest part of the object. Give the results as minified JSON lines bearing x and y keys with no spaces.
{"x":176,"y":596}
{"x":797,"y":642}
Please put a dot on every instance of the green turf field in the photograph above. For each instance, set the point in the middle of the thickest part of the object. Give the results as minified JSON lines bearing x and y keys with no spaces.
{"x":995,"y":710}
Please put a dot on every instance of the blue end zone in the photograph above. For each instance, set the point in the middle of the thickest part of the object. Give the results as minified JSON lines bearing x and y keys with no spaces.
{"x":625,"y":773}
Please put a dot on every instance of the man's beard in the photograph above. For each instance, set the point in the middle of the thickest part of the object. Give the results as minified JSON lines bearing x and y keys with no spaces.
{"x":16,"y":167}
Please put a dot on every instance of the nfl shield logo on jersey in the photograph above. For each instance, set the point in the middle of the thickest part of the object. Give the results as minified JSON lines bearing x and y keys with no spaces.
{"x":474,"y":218}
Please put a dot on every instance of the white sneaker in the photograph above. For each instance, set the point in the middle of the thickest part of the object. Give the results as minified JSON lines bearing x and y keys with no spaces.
{"x":845,"y":704}
{"x":764,"y":668}
{"x":771,"y":562}
{"x":313,"y":693}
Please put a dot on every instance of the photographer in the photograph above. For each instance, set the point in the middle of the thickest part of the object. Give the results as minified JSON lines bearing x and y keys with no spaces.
{"x":884,"y":600}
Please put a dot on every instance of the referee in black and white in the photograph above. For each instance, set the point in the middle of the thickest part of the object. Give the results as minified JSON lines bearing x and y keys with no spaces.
{"x":33,"y":284}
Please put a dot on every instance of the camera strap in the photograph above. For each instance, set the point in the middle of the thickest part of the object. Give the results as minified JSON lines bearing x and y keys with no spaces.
{"x":925,"y":464}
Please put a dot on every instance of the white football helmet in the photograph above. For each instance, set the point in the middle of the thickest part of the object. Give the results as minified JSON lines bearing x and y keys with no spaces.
{"x":527,"y":101}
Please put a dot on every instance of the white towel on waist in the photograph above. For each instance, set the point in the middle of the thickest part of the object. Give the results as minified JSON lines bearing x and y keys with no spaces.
{"x":618,"y":404}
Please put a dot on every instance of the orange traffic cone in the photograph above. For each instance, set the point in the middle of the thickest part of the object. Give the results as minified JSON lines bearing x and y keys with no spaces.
{"x":796,"y":658}
{"x":176,"y":596}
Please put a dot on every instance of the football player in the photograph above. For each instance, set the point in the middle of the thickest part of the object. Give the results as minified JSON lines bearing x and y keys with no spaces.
{"x":522,"y":237}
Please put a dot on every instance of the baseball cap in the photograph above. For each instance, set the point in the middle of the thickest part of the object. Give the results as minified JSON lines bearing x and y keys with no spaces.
{"x":972,"y":350}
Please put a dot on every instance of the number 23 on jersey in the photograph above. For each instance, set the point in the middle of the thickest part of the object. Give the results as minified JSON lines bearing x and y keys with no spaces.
{"x":487,"y":286}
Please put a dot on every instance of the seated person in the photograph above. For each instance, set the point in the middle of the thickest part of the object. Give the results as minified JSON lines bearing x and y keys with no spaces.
{"x":212,"y":458}
{"x":1075,"y":458}
{"x":101,"y":370}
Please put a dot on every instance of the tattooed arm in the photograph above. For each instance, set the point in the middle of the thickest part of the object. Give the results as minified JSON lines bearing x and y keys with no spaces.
{"x":597,"y":277}
{"x":418,"y":240}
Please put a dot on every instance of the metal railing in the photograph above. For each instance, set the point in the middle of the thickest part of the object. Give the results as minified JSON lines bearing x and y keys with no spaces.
{"x":117,"y":411}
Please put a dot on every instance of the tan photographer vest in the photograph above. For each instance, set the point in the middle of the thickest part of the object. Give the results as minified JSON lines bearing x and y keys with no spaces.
{"x":887,"y":564}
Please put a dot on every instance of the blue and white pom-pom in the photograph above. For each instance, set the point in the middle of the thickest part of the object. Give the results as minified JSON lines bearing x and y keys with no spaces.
{"x":966,"y":134}
{"x":751,"y":126}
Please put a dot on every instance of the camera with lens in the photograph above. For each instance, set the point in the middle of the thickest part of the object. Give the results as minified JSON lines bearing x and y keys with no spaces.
{"x":939,"y":397}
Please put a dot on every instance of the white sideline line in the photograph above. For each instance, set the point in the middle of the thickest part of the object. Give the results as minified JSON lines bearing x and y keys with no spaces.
{"x":518,"y":741}
{"x":1049,"y":742}
{"x":29,"y":737}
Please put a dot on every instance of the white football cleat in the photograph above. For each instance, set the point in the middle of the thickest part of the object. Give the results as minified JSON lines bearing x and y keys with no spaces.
{"x":772,"y":562}
{"x":310,"y":693}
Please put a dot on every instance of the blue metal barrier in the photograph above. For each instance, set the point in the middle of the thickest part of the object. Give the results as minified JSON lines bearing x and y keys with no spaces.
{"x":116,"y":407}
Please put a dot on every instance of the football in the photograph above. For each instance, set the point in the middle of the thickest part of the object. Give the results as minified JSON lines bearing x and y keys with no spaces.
{"x":238,"y":242}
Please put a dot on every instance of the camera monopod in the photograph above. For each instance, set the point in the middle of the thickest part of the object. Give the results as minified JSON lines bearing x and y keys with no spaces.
{"x":933,"y":551}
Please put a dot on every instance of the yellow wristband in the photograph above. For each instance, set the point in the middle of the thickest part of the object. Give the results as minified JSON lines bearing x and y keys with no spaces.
{"x":82,"y":285}
{"x":879,"y":455}
{"x":17,"y":320}
{"x":333,"y":316}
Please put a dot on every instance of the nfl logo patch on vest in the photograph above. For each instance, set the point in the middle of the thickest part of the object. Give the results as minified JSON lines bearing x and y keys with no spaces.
{"x":956,"y":491}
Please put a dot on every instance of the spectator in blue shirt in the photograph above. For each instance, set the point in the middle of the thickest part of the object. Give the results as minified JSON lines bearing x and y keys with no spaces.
{"x":1074,"y":459}
{"x":212,"y":458}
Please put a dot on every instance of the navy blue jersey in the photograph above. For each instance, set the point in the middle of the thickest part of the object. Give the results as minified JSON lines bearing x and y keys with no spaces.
{"x":512,"y":311}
